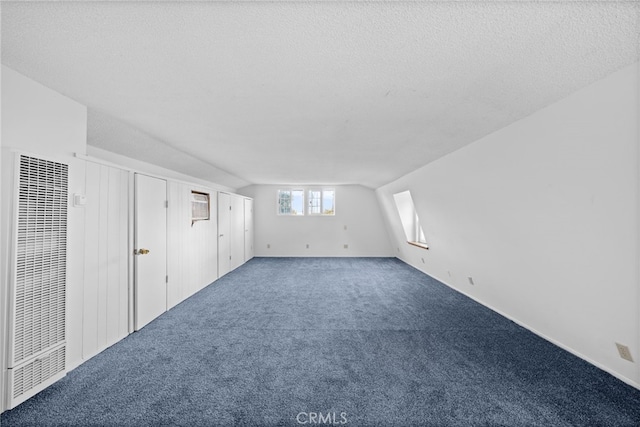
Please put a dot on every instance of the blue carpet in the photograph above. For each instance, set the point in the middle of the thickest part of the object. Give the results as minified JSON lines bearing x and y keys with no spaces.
{"x":362,"y":342}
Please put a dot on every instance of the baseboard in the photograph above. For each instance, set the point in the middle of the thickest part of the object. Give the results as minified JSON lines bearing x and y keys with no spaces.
{"x":576,"y":353}
{"x":324,"y":256}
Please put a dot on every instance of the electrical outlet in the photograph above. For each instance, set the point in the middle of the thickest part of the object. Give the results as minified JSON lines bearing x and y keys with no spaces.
{"x":624,"y":352}
{"x":268,"y":245}
{"x":346,"y":246}
{"x":471,"y":280}
{"x":307,"y":246}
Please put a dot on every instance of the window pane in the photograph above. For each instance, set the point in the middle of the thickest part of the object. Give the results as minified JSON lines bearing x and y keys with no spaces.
{"x":314,"y":202}
{"x":328,"y":202}
{"x":284,"y":202}
{"x":297,"y":202}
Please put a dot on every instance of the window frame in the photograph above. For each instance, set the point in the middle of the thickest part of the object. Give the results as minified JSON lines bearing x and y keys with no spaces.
{"x":409,"y":219}
{"x":321,"y":200}
{"x":290,"y":190}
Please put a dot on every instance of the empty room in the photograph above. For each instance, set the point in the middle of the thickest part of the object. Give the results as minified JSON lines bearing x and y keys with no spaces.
{"x":286,"y":213}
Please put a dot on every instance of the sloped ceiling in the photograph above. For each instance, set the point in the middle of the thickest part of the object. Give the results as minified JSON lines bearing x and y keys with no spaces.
{"x":315,"y":92}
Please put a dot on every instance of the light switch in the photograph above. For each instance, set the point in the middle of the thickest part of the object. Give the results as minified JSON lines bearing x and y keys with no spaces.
{"x":79,"y":200}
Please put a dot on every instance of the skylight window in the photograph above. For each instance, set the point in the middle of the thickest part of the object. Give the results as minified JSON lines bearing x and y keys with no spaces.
{"x":409,"y":219}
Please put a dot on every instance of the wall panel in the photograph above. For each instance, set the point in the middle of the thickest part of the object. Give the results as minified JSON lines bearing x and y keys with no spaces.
{"x":106,"y":284}
{"x":192,"y":246}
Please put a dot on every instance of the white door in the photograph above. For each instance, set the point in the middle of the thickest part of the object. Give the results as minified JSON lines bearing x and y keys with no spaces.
{"x":150,"y":253}
{"x":248,"y":229}
{"x":224,"y":242}
{"x":237,"y":231}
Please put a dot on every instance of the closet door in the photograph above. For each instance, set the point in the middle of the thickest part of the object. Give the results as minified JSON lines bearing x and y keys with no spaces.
{"x":150,"y":249}
{"x":248,"y":229}
{"x":237,"y":231}
{"x":224,"y":231}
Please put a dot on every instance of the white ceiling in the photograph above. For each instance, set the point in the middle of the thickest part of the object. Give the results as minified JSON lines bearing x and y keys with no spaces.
{"x":314,"y":92}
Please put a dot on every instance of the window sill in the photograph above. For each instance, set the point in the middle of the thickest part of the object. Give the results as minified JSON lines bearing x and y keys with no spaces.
{"x":418,"y":244}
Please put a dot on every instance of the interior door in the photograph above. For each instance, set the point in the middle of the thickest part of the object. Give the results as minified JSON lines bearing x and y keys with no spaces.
{"x":237,"y":231}
{"x":248,"y":229}
{"x":150,"y":252}
{"x":224,"y":230}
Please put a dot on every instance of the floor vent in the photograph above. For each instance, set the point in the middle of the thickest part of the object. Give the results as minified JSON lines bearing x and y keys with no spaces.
{"x":39,"y":279}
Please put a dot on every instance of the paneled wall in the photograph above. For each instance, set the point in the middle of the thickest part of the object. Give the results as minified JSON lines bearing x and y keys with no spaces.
{"x":192,"y":259}
{"x":106,"y":260}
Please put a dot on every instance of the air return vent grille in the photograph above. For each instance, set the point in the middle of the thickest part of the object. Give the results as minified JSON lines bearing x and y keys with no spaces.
{"x":40,"y":257}
{"x":38,"y":316}
{"x":28,"y":376}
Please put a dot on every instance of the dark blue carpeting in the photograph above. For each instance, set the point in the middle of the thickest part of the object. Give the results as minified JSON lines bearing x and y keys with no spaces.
{"x":372,"y":342}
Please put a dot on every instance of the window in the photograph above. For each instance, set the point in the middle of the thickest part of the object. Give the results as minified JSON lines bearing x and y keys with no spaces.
{"x":290,"y":202}
{"x":319,"y":201}
{"x":322,"y":202}
{"x":409,"y":219}
{"x":199,"y":206}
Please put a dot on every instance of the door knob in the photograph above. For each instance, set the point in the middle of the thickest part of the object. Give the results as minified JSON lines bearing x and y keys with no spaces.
{"x":141,"y":251}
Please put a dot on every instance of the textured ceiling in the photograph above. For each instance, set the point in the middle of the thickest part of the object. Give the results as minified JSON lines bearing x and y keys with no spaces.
{"x":317,"y":92}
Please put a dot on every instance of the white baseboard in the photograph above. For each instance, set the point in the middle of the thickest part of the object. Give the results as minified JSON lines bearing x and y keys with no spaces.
{"x":598,"y":365}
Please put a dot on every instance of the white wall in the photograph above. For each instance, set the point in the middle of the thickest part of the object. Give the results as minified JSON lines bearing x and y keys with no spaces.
{"x":543,"y":214}
{"x":41,"y":122}
{"x":356,"y":209}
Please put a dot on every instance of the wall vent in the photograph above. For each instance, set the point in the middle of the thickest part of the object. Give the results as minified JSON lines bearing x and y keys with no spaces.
{"x":39,"y":287}
{"x":33,"y":374}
